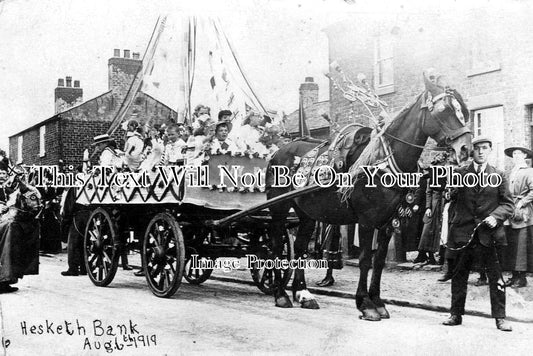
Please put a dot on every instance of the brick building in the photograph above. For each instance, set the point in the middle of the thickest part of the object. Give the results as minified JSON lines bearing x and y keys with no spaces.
{"x":71,"y":130}
{"x":314,"y":110}
{"x":483,"y":54}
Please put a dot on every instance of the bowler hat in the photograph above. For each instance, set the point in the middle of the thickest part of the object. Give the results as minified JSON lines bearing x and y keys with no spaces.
{"x":481,"y":139}
{"x":509,"y":151}
{"x":101,"y":139}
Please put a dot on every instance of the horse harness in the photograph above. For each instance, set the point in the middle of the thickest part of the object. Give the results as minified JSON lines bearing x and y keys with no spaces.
{"x":446,"y":135}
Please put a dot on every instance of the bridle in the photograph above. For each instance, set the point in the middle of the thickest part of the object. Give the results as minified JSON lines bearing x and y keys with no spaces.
{"x":445,"y":134}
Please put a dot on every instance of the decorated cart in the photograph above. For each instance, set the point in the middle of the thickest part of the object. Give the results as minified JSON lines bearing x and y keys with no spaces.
{"x":181,"y":219}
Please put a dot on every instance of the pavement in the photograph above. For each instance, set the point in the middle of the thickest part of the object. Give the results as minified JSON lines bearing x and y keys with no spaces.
{"x":405,"y":284}
{"x":410,"y":285}
{"x":55,"y":315}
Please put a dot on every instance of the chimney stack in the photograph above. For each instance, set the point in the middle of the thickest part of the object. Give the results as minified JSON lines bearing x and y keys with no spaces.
{"x":116,"y":52}
{"x":122,"y":72}
{"x":309,"y":92}
{"x":67,"y":96}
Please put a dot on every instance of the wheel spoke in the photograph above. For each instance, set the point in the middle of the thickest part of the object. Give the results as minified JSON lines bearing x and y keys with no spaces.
{"x":161,"y":282}
{"x":91,"y":260}
{"x":106,"y":257}
{"x":167,"y":277}
{"x":155,"y":271}
{"x":104,"y":265}
{"x":154,"y":238}
{"x":264,"y":276}
{"x":94,"y":235}
{"x":100,"y":270}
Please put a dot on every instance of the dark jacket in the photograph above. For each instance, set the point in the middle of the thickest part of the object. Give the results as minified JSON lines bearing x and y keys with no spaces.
{"x":474,"y":204}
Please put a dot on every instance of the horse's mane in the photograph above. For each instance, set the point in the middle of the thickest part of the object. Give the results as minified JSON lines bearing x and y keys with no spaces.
{"x":373,"y":152}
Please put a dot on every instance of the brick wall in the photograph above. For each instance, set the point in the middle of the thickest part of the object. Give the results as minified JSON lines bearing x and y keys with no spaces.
{"x":31,"y":145}
{"x":77,"y":135}
{"x":447,"y":42}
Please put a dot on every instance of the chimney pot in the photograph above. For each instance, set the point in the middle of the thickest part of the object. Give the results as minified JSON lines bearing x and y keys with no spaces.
{"x":61,"y":82}
{"x":116,"y":52}
{"x":136,"y":55}
{"x":76,"y":84}
{"x":69,"y":82}
{"x":126,"y":53}
{"x":309,"y":80}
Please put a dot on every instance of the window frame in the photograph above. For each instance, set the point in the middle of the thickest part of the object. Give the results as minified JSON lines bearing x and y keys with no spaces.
{"x":42,"y":142}
{"x":20,"y":145}
{"x":380,"y":42}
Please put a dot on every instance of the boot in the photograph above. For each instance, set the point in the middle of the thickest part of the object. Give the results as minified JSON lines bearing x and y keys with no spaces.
{"x":421,"y":258}
{"x":503,"y":325}
{"x":125,"y":265}
{"x":431,"y":259}
{"x":521,"y":280}
{"x":453,"y":320}
{"x":449,"y":272}
{"x":482,"y":280}
{"x":511,"y":281}
{"x":442,"y":252}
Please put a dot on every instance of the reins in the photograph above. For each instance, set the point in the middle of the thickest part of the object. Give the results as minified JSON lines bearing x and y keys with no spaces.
{"x":469,"y":241}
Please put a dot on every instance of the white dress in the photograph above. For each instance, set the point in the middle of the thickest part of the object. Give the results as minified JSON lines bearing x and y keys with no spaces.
{"x":133,"y":151}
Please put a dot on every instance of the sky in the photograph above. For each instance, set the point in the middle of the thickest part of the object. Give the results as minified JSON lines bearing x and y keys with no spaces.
{"x":279,"y":43}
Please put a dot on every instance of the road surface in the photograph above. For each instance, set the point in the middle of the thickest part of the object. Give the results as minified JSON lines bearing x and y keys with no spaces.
{"x":218,"y":317}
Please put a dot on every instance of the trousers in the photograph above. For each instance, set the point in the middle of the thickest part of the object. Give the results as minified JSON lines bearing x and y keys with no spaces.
{"x":75,"y":248}
{"x":489,"y":258}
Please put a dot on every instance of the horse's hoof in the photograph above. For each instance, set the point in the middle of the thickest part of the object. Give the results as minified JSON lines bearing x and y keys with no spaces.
{"x":310,"y":304}
{"x":370,"y":315}
{"x":383,"y":313}
{"x":283,"y":302}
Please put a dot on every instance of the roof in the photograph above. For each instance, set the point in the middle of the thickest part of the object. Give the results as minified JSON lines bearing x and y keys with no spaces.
{"x":58,"y":115}
{"x":313,"y":114}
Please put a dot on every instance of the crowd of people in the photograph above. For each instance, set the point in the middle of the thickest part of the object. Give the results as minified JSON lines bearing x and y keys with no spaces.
{"x":178,"y":143}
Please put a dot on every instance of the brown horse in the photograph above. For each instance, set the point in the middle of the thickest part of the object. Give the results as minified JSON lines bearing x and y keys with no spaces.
{"x":437,"y":113}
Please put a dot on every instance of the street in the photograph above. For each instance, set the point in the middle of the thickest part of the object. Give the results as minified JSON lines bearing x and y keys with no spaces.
{"x":55,"y":315}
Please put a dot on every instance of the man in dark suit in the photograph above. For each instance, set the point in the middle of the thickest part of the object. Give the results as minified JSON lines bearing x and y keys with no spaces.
{"x":490,"y":206}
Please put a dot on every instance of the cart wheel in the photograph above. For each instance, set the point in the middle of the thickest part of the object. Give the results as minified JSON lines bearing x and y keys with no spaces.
{"x":264,"y":278}
{"x":163,"y":255}
{"x":196,"y":275}
{"x":100,"y":241}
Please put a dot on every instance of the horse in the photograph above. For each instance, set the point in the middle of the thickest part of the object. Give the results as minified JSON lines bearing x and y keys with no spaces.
{"x":438,"y":113}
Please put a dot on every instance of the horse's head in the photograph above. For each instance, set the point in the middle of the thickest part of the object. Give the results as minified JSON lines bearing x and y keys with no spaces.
{"x":448,"y":113}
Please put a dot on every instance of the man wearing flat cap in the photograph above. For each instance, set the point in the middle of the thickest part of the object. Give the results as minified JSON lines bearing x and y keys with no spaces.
{"x":476,"y":229}
{"x":518,"y":255}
